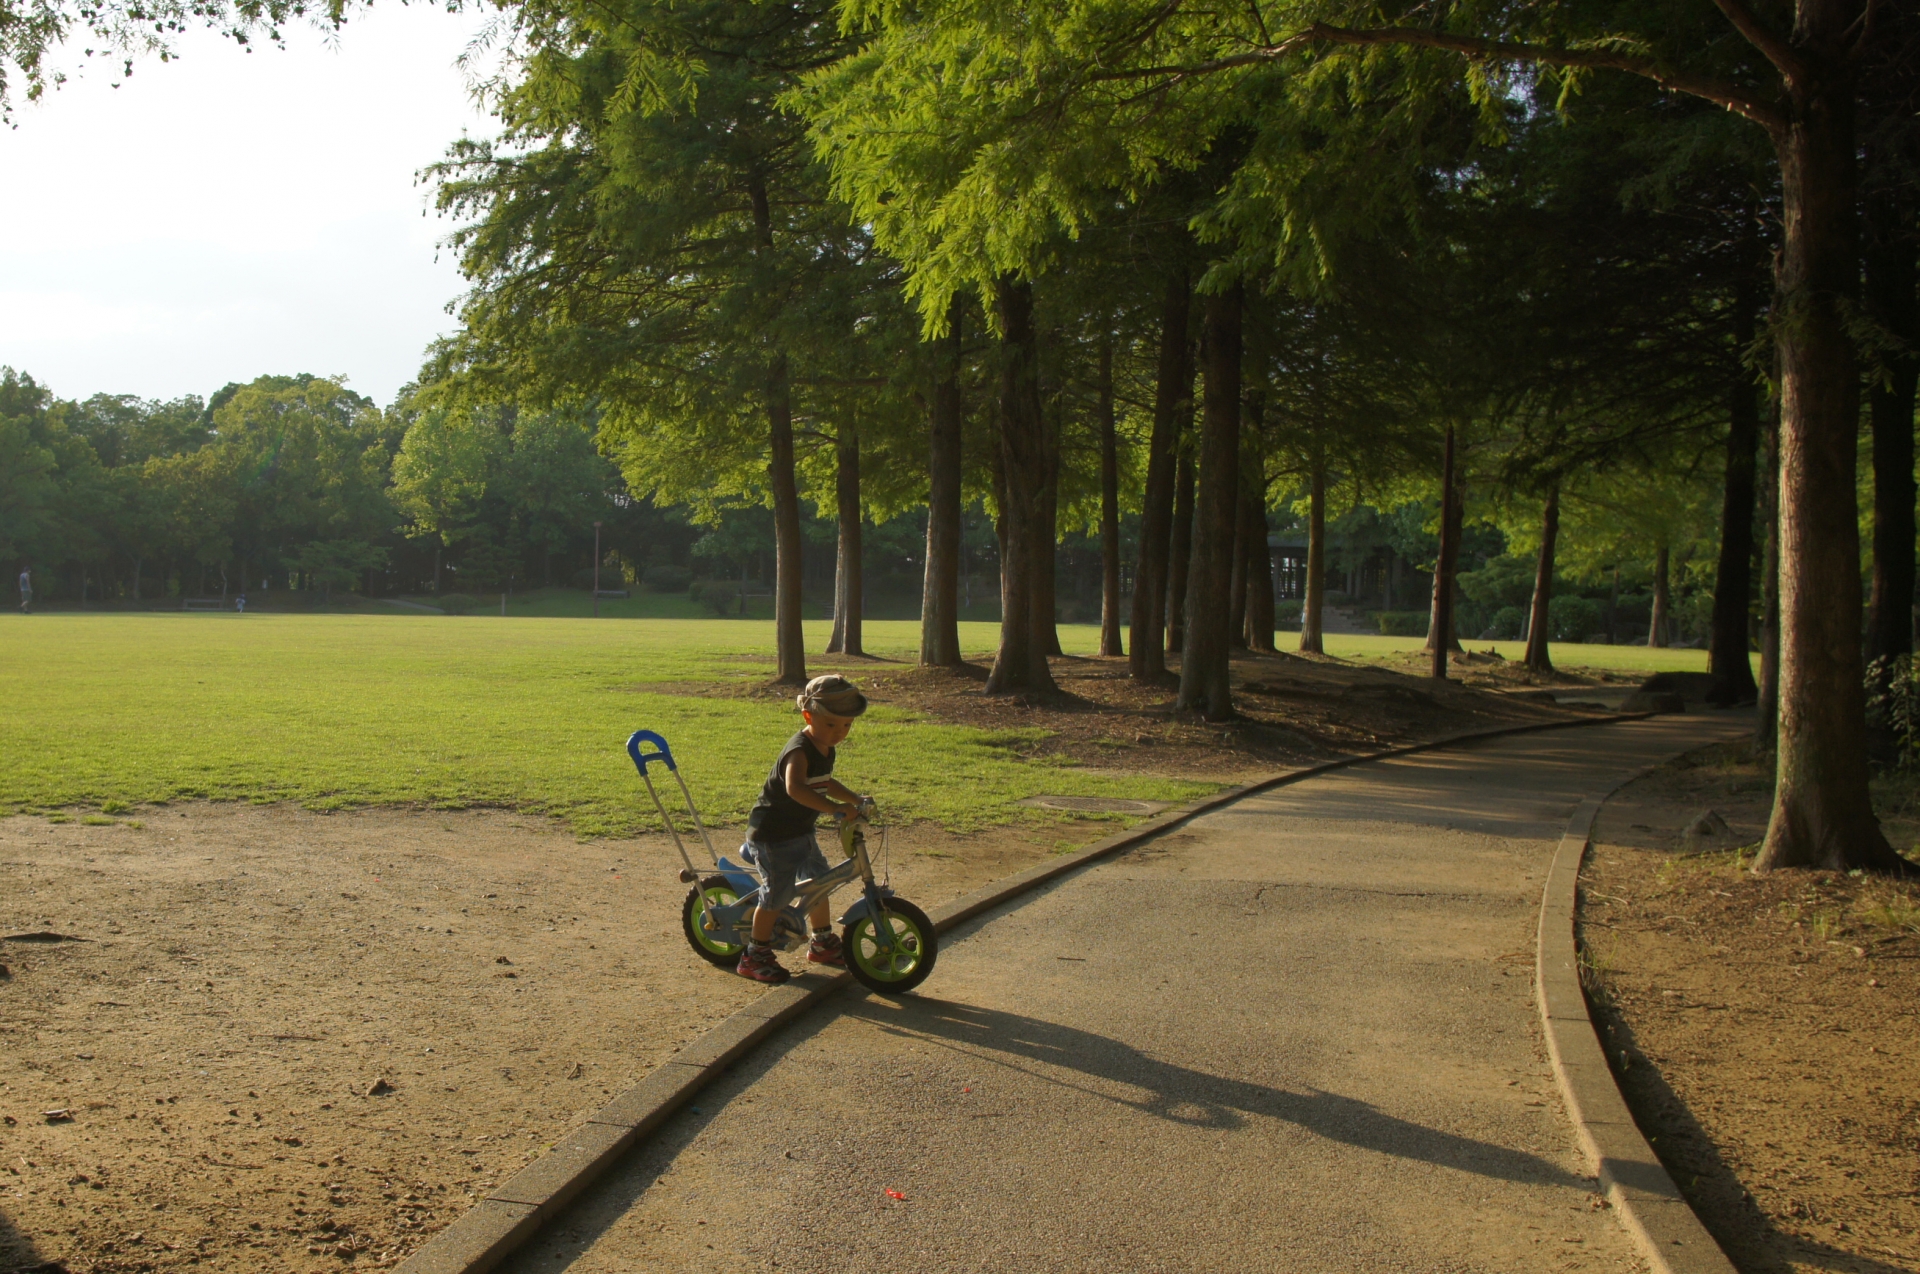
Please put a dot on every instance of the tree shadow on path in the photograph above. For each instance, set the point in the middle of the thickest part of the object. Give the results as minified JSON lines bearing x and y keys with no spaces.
{"x":1056,"y":1054}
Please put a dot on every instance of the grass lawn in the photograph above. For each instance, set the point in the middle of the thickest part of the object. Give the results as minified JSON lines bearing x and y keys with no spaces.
{"x":1567,"y":656}
{"x":340,"y":710}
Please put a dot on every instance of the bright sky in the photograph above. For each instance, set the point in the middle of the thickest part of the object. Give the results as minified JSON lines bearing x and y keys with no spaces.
{"x":232,"y":214}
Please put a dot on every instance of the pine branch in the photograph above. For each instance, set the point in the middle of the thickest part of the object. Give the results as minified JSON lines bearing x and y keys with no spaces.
{"x":1731,"y":96}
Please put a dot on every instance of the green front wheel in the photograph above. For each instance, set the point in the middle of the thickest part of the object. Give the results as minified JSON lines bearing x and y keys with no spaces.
{"x":907,"y":963}
{"x":720,"y":893}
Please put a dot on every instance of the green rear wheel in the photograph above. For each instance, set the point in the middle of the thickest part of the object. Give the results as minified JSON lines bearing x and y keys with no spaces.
{"x":719,"y":892}
{"x":906,"y":965}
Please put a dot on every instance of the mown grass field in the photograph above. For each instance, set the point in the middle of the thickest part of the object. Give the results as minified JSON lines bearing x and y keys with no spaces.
{"x":343,"y":710}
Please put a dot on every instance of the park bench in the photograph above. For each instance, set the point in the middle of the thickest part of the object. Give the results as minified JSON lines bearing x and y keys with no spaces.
{"x":612,"y":592}
{"x":202,"y":603}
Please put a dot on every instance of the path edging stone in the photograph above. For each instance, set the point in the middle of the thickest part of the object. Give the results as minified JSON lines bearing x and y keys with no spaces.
{"x":513,"y":1211}
{"x":1643,"y":1194}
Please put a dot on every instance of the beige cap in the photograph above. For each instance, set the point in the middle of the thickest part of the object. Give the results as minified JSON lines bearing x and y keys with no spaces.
{"x":832,"y":693}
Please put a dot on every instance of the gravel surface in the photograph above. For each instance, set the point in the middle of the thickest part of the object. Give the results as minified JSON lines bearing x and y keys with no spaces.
{"x":1297,"y":1034}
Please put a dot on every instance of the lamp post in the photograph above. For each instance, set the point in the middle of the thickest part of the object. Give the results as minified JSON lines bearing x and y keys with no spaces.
{"x":596,"y":570}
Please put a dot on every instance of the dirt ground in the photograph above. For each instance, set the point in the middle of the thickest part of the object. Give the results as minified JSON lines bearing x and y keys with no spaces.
{"x":1766,"y":1030}
{"x":245,"y":975}
{"x":242,"y":1038}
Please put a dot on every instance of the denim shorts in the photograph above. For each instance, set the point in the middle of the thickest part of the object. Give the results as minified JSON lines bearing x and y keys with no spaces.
{"x":782,"y":863}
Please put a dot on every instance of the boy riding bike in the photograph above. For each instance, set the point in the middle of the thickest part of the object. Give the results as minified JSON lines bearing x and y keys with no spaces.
{"x":780,"y":837}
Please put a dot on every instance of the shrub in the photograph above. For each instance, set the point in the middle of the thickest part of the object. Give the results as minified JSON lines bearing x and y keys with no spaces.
{"x":721,"y":599}
{"x":1287,"y":614}
{"x":1401,"y":623}
{"x":1506,"y":625}
{"x":456,"y":603}
{"x":668,"y":578}
{"x":1576,"y":618}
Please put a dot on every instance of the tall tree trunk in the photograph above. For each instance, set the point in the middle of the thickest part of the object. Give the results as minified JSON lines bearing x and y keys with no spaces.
{"x":848,"y":594}
{"x":789,"y":570}
{"x":1147,"y":659}
{"x":1440,"y":640}
{"x":1258,"y":585}
{"x":1822,"y":813}
{"x":1180,"y":548}
{"x":1237,"y":568}
{"x":1109,"y":509}
{"x":436,"y":570}
{"x":1205,"y":684}
{"x":940,"y":592}
{"x":1657,"y":627}
{"x":1021,"y":664}
{"x":1313,"y":606}
{"x":1767,"y":706}
{"x":1728,"y":658}
{"x":1046,"y":549}
{"x":789,"y":640}
{"x":136,"y":581}
{"x":1890,"y":301}
{"x":1539,"y":622}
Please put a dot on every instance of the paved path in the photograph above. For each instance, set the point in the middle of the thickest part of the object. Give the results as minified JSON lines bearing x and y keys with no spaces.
{"x":1296,"y":1035}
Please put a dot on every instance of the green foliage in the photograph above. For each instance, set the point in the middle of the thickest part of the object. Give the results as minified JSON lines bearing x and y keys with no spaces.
{"x":668,"y":578}
{"x":1402,"y":623}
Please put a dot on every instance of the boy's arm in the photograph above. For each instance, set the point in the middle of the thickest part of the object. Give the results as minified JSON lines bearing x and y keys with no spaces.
{"x":838,"y":789}
{"x":810,"y":797}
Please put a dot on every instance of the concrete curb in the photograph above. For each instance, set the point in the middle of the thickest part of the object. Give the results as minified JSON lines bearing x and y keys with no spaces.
{"x":514,"y":1210}
{"x":1632,"y":1177}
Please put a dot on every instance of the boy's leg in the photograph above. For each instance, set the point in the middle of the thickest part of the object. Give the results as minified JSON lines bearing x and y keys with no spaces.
{"x":825,"y":947}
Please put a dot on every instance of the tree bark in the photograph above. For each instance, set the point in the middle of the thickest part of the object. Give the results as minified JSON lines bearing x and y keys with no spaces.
{"x":1313,"y":605}
{"x":789,"y":640}
{"x":436,"y":570}
{"x":1180,"y":549}
{"x":1021,"y":664}
{"x":1440,"y":622}
{"x":1890,"y":301}
{"x":1728,"y":658}
{"x":1147,"y":658}
{"x":1258,"y":574}
{"x":1046,"y":546}
{"x":1657,"y":627}
{"x":940,"y":591}
{"x":1539,"y":621}
{"x":790,"y":651}
{"x":1237,"y":568}
{"x":1822,"y":813}
{"x":848,"y":593}
{"x":1205,"y":684}
{"x":1109,"y":509}
{"x":1767,"y":706}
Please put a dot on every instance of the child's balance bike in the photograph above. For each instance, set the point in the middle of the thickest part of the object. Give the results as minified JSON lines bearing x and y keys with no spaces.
{"x":890,"y":943}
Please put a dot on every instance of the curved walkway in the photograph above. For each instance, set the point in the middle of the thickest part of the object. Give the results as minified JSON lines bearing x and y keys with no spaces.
{"x":1297,"y":1034}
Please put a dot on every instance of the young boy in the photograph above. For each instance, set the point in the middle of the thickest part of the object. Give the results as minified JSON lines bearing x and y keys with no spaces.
{"x":780,"y":840}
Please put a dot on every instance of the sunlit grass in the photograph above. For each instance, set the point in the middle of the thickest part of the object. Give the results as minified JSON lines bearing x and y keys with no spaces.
{"x":345,"y":710}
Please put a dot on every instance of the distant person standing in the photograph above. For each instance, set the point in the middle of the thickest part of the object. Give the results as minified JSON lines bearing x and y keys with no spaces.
{"x":26,"y":590}
{"x":240,"y":603}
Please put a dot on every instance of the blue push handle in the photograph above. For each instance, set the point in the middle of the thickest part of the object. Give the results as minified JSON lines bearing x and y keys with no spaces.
{"x":661,"y":751}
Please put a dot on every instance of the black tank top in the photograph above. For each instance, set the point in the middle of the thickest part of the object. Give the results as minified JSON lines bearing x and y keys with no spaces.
{"x":777,"y":816}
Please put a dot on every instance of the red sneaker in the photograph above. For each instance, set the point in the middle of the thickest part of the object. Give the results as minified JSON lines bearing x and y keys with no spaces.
{"x":760,"y":964}
{"x":826,"y":948}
